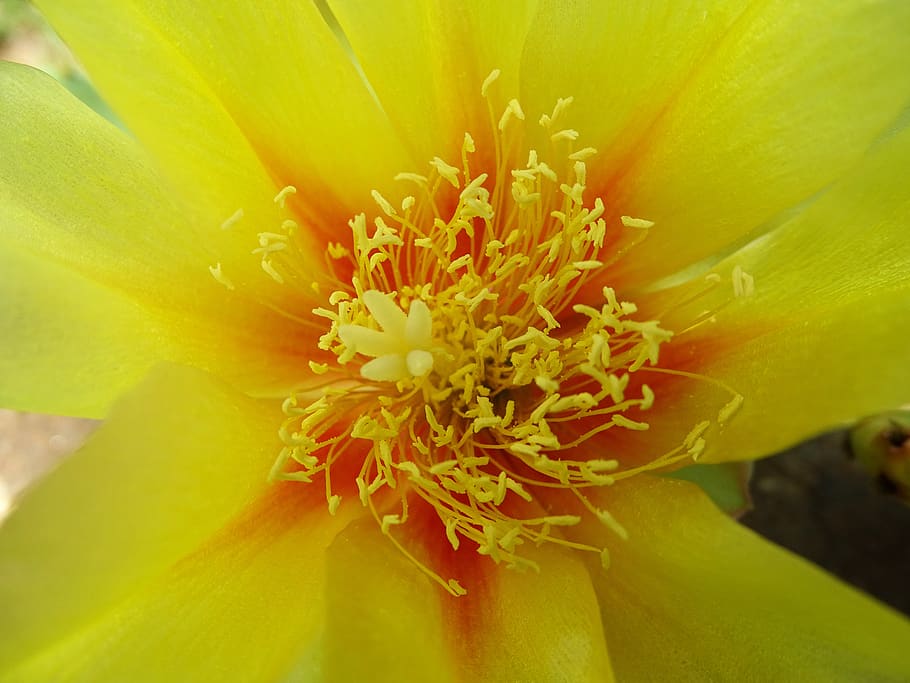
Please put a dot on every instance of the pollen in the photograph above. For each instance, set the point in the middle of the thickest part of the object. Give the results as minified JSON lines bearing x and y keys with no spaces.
{"x":473,"y":354}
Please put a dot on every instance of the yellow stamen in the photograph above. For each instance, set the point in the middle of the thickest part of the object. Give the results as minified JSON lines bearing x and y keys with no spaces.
{"x":460,"y":352}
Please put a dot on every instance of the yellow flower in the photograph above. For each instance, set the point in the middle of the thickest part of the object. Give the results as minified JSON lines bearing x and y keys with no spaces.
{"x":324,"y":444}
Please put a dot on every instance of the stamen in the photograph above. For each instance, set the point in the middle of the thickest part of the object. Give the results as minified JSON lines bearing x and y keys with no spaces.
{"x":462,"y":356}
{"x":233,"y":219}
{"x":630,"y":222}
{"x":743,"y":283}
{"x":220,"y":277}
{"x":282,"y":196}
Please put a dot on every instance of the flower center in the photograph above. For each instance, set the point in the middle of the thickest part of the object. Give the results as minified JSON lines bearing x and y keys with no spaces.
{"x":475,"y":351}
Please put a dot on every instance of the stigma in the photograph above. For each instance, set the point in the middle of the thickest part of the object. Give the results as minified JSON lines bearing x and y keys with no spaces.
{"x":401,"y":350}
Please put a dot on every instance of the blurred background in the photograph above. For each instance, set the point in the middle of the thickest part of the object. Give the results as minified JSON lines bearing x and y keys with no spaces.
{"x":811,"y":499}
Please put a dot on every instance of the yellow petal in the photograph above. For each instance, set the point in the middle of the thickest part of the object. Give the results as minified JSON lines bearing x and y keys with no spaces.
{"x":532,"y":626}
{"x":621,"y":62}
{"x":122,"y":256}
{"x":178,"y":458}
{"x":388,"y":622}
{"x":823,"y":338}
{"x":246,"y":605}
{"x":227,"y":96}
{"x":693,"y":596}
{"x":69,"y":345}
{"x":78,"y":189}
{"x":846,"y":247}
{"x":385,"y":619}
{"x":714,"y":119}
{"x":427,"y":64}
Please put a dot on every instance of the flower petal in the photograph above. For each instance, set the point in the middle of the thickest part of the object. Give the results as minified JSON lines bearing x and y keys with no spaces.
{"x":85,"y":220}
{"x":822,"y":340}
{"x":714,"y":119}
{"x":830,"y":295}
{"x":70,"y":345}
{"x":693,"y":596}
{"x":75,"y":187}
{"x":848,"y":246}
{"x":532,"y":626}
{"x":510,"y":626}
{"x":428,"y":62}
{"x":246,"y":605}
{"x":227,"y":97}
{"x":385,"y":621}
{"x":179,"y":457}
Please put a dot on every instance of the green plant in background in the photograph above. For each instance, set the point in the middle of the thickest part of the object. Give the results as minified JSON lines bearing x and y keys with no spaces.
{"x":26,"y":38}
{"x":881,"y":446}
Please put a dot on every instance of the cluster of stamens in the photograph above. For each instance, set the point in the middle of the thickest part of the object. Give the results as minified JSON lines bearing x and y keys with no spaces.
{"x":459,"y":356}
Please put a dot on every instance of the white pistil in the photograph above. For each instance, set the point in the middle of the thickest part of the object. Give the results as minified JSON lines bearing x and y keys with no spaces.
{"x":402,"y":349}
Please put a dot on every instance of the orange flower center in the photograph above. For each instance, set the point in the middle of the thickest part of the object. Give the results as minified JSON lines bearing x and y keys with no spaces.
{"x":477,"y":351}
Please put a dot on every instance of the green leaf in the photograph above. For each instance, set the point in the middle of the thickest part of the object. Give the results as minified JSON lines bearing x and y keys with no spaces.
{"x":727,"y":484}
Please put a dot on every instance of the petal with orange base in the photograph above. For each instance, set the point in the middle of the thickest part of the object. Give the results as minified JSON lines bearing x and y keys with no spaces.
{"x":90,"y":234}
{"x":714,"y":118}
{"x":510,"y":626}
{"x":822,"y":338}
{"x":231,"y":98}
{"x":245,"y":605}
{"x":428,"y":61}
{"x":179,"y":457}
{"x":693,"y":596}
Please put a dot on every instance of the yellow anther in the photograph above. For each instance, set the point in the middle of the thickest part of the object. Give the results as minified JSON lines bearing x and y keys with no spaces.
{"x":337,"y":251}
{"x":513,"y":110}
{"x":220,"y":277}
{"x":389,"y":521}
{"x":567,"y":134}
{"x":415,"y":178}
{"x":318,"y":368}
{"x":647,"y":397}
{"x":610,"y":521}
{"x":743,"y":283}
{"x":270,"y":270}
{"x":282,"y":196}
{"x":583,"y":154}
{"x":450,"y":173}
{"x":383,"y":204}
{"x":587,"y":265}
{"x":696,"y":432}
{"x":729,"y":409}
{"x":488,"y":81}
{"x":472,"y":364}
{"x":623,"y":421}
{"x":232,"y":220}
{"x":460,"y":262}
{"x":630,"y":222}
{"x":547,"y":317}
